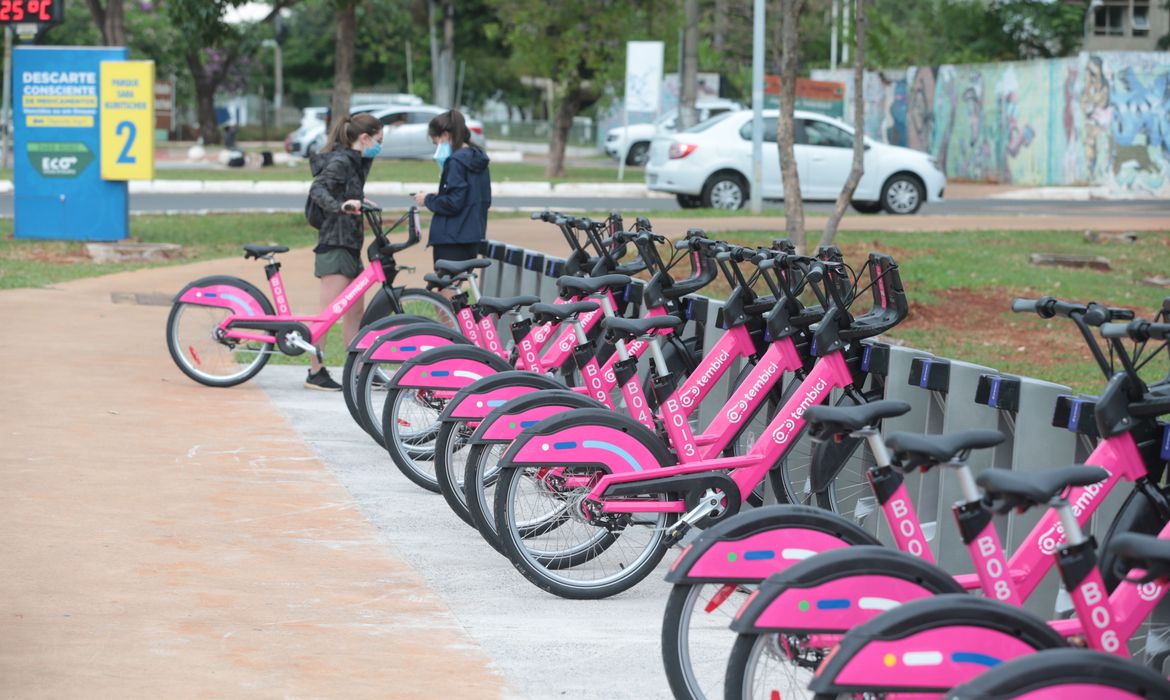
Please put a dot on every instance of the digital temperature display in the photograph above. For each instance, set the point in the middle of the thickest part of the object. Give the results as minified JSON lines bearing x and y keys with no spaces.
{"x":28,"y":11}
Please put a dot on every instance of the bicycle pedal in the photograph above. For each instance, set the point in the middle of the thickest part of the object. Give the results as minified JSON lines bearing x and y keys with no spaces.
{"x":676,"y":533}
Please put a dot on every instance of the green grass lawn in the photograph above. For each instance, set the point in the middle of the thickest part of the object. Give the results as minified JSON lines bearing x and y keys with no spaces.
{"x":960,"y":286}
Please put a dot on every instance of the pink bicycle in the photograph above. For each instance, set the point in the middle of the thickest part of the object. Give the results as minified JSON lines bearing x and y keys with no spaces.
{"x":787,"y":626}
{"x":626,"y":497}
{"x":222,"y":330}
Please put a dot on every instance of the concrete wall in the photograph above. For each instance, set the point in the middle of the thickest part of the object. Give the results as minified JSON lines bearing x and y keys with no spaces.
{"x":1098,"y":119}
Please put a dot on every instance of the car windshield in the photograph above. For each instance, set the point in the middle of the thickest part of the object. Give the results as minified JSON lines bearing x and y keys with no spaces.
{"x":708,"y":123}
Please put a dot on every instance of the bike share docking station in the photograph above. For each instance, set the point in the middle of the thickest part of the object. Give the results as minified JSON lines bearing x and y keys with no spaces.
{"x":1046,"y":426}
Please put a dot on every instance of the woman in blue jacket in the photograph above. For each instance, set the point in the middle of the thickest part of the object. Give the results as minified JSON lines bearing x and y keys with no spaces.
{"x":461,"y":205}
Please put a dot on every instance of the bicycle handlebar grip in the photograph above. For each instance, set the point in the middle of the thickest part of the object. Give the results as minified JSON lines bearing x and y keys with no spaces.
{"x":1116,"y":314}
{"x":1023,"y":306}
{"x":1115,"y":330}
{"x":815,"y":274}
{"x":1158,"y":331}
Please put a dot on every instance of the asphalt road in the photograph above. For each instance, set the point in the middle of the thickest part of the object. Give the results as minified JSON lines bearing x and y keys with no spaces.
{"x":954,"y":207}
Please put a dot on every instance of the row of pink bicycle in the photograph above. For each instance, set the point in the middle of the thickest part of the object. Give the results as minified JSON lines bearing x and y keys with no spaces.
{"x":568,"y":435}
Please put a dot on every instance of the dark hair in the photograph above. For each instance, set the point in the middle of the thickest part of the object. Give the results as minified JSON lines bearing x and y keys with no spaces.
{"x":452,"y":123}
{"x":346,"y":131}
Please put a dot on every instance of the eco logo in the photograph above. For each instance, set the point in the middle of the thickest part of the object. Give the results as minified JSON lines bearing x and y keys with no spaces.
{"x":59,"y":159}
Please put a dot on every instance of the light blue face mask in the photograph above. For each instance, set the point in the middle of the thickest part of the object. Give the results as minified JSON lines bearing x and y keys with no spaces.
{"x":442,"y":153}
{"x":373,"y":151}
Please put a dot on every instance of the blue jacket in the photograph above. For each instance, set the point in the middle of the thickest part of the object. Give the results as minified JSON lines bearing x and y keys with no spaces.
{"x":465,"y":194}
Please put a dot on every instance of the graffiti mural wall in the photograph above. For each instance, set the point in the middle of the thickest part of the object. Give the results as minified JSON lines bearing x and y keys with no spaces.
{"x":1099,"y":119}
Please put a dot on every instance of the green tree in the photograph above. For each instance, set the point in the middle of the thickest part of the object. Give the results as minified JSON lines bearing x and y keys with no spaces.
{"x":211,"y":49}
{"x":580,"y":46}
{"x":1041,"y":28}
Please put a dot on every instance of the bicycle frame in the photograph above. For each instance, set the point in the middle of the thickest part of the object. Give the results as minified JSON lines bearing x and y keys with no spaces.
{"x":830,"y":372}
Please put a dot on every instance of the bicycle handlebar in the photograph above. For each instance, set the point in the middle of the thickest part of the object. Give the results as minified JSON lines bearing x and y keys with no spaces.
{"x":1138,"y":330}
{"x":1093,"y":314}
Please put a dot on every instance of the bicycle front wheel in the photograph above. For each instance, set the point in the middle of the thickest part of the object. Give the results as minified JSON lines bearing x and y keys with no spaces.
{"x":198,"y":349}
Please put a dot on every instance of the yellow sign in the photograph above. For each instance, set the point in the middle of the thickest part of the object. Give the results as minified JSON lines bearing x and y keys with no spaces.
{"x":127,"y":120}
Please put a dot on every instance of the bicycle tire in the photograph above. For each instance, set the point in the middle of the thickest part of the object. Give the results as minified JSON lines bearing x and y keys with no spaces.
{"x":482,"y":470}
{"x":353,"y":362}
{"x":587,"y":558}
{"x":415,"y":301}
{"x":751,"y":652}
{"x":454,"y":439}
{"x":375,"y":374}
{"x":691,"y":678}
{"x":212,"y":351}
{"x":545,"y":571}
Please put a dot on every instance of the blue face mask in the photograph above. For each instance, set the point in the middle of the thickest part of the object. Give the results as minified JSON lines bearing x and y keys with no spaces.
{"x":442,"y":153}
{"x":373,"y":151}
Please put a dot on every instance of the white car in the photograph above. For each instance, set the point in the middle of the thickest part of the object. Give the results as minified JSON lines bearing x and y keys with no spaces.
{"x":633,"y":141}
{"x":710,"y":165}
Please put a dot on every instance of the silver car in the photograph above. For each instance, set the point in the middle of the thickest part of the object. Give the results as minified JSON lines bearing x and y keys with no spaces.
{"x":405,"y":132}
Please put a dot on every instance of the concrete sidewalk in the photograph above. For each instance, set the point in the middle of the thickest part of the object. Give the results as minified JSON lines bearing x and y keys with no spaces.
{"x":165,"y":539}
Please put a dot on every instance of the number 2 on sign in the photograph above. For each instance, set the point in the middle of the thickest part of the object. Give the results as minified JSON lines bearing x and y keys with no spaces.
{"x":124,"y":157}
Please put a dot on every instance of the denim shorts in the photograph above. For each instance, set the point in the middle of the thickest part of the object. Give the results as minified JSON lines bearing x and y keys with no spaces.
{"x":338,"y":261}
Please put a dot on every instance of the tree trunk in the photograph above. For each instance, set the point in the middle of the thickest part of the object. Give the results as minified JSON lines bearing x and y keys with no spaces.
{"x":115,"y":29}
{"x":110,"y":20}
{"x":346,"y":18}
{"x":436,"y":66}
{"x":204,"y":98}
{"x":785,"y":133}
{"x":575,"y":99}
{"x":447,"y":56}
{"x":689,"y":74}
{"x":722,"y":25}
{"x":830,"y":232}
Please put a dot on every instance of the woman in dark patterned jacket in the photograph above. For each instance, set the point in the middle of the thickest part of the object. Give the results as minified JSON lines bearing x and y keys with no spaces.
{"x":339,"y":181}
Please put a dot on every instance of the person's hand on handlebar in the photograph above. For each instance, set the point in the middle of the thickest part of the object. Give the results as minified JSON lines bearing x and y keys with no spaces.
{"x":352,"y":206}
{"x":420,"y":198}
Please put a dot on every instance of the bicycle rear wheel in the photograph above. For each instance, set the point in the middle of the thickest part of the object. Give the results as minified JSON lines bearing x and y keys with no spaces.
{"x":196,"y":346}
{"x":548,"y":539}
{"x":410,"y":425}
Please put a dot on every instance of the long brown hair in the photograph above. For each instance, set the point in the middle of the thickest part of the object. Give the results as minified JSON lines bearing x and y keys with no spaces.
{"x":450,"y":122}
{"x":346,"y":131}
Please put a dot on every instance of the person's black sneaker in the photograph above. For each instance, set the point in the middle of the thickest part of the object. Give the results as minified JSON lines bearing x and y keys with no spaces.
{"x":321,"y":381}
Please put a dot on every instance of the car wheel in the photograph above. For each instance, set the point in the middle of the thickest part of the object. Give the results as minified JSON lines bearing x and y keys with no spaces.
{"x":689,"y":201}
{"x":724,"y":191}
{"x":866,"y":207}
{"x":639,"y":154}
{"x":902,"y":194}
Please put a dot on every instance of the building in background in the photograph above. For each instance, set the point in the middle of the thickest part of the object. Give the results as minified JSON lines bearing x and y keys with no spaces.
{"x":1126,"y":25}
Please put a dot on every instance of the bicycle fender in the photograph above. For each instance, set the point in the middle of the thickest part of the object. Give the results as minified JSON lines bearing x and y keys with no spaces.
{"x":839,"y":589}
{"x":589,"y":438}
{"x":402,"y":343}
{"x":932,"y":645}
{"x":757,"y":543}
{"x":451,"y":367}
{"x":372,"y":331}
{"x":222,"y":291}
{"x":505,"y":423}
{"x":484,"y":396}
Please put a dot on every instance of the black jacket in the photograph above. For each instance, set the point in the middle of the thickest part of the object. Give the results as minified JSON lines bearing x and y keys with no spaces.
{"x":339,"y":176}
{"x":465,"y":194}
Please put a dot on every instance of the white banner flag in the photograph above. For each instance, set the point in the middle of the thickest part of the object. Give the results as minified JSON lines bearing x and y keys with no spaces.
{"x":644,"y":60}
